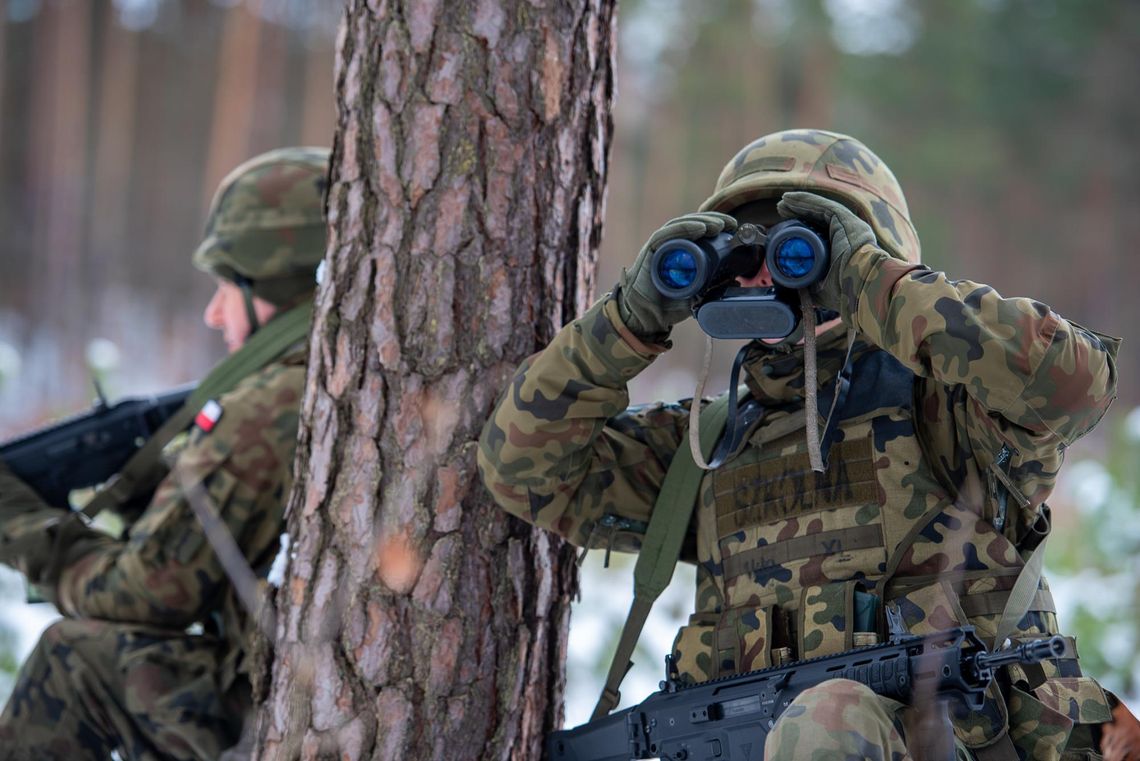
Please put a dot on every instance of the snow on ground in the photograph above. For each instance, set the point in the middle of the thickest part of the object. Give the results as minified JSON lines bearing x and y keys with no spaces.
{"x":25,"y":621}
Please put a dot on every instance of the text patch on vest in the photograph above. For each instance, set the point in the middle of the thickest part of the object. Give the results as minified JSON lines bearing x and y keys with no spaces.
{"x":785,"y":487}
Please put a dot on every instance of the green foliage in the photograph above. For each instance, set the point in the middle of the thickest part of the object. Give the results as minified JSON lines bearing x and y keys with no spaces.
{"x":10,"y":588}
{"x":1094,"y":558}
{"x":8,"y":663}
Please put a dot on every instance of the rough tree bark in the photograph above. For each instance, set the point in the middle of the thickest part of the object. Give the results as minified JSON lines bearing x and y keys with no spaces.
{"x":416,"y":620}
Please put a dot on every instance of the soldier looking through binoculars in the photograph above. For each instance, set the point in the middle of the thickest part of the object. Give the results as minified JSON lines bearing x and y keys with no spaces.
{"x":910,"y":469}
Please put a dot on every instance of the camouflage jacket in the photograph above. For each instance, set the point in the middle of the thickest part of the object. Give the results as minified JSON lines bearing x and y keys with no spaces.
{"x":961,"y":406}
{"x":164,"y":572}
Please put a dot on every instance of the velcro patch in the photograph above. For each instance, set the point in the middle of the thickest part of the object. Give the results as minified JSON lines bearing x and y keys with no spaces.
{"x":208,"y":416}
{"x":786,"y":487}
{"x":825,"y":543}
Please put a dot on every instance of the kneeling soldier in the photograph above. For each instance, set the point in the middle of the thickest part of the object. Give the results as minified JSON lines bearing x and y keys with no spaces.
{"x":151,"y":657}
{"x":943,"y":449}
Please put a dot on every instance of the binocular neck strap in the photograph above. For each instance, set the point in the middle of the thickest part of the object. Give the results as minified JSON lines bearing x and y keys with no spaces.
{"x":811,"y":384}
{"x":721,"y":453}
{"x":818,"y":445}
{"x":695,"y":407}
{"x":817,"y":450}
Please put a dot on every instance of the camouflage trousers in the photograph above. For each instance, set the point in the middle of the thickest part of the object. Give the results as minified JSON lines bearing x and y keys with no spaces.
{"x":92,"y":686}
{"x":841,"y":719}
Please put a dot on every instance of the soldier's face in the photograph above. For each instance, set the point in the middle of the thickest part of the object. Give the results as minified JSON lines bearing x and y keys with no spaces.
{"x":226,"y":312}
{"x":764,"y":213}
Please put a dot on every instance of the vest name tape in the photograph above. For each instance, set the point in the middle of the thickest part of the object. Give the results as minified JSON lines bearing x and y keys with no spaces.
{"x":768,"y":557}
{"x":779,"y":489}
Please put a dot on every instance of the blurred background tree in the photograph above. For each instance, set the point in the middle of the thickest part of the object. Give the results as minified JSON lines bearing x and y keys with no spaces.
{"x":1011,"y":124}
{"x":118,"y":118}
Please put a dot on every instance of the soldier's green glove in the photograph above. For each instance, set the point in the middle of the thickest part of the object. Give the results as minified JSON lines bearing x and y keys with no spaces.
{"x":648,"y":314}
{"x":839,"y":290}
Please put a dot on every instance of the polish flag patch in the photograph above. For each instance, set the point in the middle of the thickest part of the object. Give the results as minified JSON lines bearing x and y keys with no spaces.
{"x":208,"y":416}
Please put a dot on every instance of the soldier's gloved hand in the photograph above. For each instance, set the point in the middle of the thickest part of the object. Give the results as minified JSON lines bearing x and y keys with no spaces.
{"x":645,"y":311}
{"x":839,"y":289}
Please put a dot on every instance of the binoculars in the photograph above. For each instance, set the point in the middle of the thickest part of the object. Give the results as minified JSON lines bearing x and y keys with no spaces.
{"x":706,"y":269}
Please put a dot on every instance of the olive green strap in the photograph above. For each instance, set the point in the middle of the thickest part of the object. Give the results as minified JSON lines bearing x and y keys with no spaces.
{"x":145,"y":468}
{"x":661,"y":547}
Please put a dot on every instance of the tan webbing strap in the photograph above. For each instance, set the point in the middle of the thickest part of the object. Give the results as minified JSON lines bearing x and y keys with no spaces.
{"x":233,"y":561}
{"x":993,"y":603}
{"x":700,"y":459}
{"x":661,"y":548}
{"x":811,"y":382}
{"x":1022,"y":595}
{"x":145,"y":468}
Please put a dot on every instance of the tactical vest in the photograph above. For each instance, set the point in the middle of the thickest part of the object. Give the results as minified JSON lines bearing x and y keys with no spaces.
{"x":785,"y":556}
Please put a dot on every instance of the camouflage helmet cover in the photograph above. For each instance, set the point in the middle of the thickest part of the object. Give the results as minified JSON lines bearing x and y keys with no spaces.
{"x":266,"y":224}
{"x":822,"y":162}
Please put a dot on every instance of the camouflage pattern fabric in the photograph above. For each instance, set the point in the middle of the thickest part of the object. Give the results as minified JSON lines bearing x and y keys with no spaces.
{"x":962,"y":403}
{"x":827,"y":163}
{"x":153,"y":584}
{"x":91,"y":686}
{"x":647,"y":313}
{"x":266,"y":224}
{"x":841,"y":719}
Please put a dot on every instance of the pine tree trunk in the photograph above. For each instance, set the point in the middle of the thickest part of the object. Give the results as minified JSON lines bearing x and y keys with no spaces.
{"x":416,"y":619}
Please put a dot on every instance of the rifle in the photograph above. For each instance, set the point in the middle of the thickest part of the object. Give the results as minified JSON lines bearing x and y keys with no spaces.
{"x":729,"y":718}
{"x":87,"y":449}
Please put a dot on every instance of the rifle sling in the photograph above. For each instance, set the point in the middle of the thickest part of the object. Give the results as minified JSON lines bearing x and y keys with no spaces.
{"x":1024,"y":594}
{"x":661,"y":548}
{"x":145,"y":468}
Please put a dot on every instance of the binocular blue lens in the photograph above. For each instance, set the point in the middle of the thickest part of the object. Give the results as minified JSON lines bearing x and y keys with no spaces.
{"x":795,"y":257}
{"x":677,"y":268}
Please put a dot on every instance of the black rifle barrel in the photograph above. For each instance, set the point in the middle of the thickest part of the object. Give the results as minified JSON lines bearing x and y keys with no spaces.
{"x":87,"y":449}
{"x":1026,"y":652}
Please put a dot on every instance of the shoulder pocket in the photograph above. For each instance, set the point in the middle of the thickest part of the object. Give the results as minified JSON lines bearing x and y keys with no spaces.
{"x":1042,"y":719}
{"x":1078,"y":697}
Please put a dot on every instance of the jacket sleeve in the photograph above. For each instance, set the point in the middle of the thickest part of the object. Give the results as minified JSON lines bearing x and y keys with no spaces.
{"x":165,"y":571}
{"x":561,"y":450}
{"x":1003,"y":373}
{"x":1016,"y":358}
{"x":30,"y":530}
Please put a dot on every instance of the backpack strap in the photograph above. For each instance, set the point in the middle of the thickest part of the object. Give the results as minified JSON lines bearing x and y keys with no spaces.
{"x":661,"y":548}
{"x":145,"y":468}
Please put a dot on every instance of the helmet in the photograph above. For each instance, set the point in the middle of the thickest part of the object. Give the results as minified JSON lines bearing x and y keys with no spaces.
{"x":266,"y":226}
{"x":827,"y":163}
